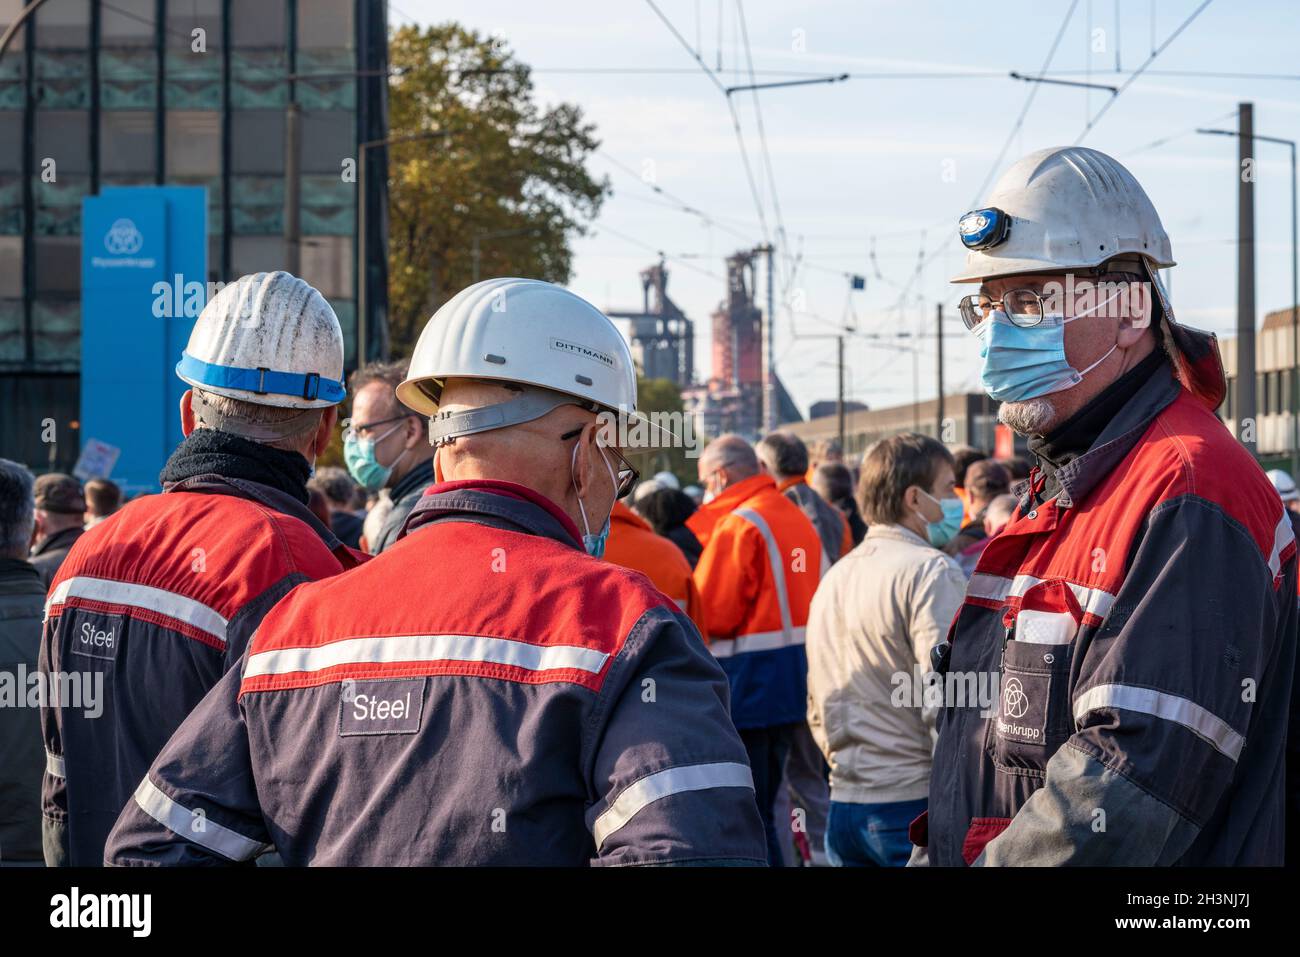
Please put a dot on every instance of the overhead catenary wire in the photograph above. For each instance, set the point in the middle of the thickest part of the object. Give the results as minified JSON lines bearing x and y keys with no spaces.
{"x":1105,"y":107}
{"x":1029,"y":101}
{"x":731,"y":108}
{"x":685,"y":264}
{"x":677,"y":201}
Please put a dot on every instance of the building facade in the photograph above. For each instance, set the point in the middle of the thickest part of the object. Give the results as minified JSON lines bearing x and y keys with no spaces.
{"x":969,"y":418}
{"x":184,"y":92}
{"x":1276,"y":389}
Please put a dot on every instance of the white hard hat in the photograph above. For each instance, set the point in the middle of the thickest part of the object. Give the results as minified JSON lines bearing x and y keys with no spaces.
{"x":667,"y":480}
{"x":559,"y":347}
{"x":1059,"y":209}
{"x":647,"y":487}
{"x":1284,"y":484}
{"x":271,"y":339}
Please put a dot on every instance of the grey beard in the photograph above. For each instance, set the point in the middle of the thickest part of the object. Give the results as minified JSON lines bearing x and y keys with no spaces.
{"x":1031,"y":417}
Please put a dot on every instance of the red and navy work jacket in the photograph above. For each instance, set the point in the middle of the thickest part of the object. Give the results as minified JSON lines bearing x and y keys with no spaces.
{"x":482,"y":692}
{"x":151,"y":607}
{"x":1142,"y":628}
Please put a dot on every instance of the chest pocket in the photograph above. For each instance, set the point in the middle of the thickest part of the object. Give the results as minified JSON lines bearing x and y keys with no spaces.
{"x":1033,"y":714}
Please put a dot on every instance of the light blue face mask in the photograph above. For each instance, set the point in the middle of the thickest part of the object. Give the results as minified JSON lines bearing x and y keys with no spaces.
{"x":594,"y":544}
{"x":1028,"y":363}
{"x":359,"y":456}
{"x":942,"y":531}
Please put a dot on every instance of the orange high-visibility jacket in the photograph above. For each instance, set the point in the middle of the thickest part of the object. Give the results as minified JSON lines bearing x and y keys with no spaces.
{"x":635,"y":545}
{"x":761,"y":563}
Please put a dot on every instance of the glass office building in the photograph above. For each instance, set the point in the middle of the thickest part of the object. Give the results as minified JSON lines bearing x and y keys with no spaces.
{"x":97,"y":93}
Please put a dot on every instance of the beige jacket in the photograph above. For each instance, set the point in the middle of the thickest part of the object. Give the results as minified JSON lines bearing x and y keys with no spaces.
{"x":874,"y":619}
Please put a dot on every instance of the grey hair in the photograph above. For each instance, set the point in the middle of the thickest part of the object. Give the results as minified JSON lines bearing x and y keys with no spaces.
{"x":253,"y":414}
{"x":17,"y":509}
{"x":1031,"y":417}
{"x":730,"y":452}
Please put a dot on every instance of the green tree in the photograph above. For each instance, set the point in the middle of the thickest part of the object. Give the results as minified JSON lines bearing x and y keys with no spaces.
{"x":506,"y":167}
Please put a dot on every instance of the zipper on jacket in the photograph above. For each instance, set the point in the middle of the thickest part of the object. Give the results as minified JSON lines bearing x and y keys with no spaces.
{"x":1009,"y":634}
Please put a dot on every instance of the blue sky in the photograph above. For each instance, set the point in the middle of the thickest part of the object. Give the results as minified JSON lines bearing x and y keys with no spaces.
{"x":900,"y":159}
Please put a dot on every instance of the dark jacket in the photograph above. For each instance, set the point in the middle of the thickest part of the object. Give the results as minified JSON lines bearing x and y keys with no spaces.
{"x":50,"y":553}
{"x":1142,"y":625}
{"x":404,"y":495}
{"x":158,"y":601}
{"x":347,"y":526}
{"x":968,"y":535}
{"x":685,"y":539}
{"x":536,"y":707}
{"x":22,"y":760}
{"x":831,"y":525}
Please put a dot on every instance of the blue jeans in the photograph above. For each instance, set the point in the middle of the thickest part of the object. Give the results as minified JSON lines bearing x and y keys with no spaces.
{"x":870,"y":835}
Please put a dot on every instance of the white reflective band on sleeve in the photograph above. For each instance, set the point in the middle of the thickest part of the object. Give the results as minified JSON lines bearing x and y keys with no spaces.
{"x":195,"y":827}
{"x":141,"y":596}
{"x":1282,"y":537}
{"x":392,"y":648}
{"x":681,"y":603}
{"x":758,"y":641}
{"x":1189,"y":714}
{"x":996,"y":588}
{"x":54,"y":765}
{"x":636,"y":797}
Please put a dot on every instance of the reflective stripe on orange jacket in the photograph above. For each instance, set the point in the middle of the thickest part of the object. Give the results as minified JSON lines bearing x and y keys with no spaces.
{"x":760,"y":566}
{"x":635,"y":545}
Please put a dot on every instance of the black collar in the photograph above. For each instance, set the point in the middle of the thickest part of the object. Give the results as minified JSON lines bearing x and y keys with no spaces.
{"x":1081,"y":474}
{"x":487,"y":507}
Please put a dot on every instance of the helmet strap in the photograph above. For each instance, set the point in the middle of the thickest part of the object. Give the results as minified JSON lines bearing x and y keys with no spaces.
{"x":533,"y":402}
{"x":207,"y":414}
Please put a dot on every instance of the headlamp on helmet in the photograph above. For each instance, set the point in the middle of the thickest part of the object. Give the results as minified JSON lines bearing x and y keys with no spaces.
{"x":984,"y":228}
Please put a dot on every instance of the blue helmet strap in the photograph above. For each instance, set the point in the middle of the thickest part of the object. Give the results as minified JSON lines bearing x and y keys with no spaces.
{"x":210,"y":417}
{"x":311,"y":386}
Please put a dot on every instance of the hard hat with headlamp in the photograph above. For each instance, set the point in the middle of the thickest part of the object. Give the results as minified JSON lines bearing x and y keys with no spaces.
{"x":1057,"y":210}
{"x":1076,"y":210}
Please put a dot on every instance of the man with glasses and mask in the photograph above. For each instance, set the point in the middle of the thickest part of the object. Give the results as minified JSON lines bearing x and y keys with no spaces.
{"x":1137,"y":610}
{"x":487,"y":692}
{"x":386,"y":446}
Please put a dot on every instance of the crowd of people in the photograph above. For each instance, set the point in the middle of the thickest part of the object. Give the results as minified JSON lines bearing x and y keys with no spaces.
{"x":488,"y":641}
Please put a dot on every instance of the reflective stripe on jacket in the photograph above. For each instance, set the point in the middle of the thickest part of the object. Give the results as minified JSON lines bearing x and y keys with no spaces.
{"x":761,"y":563}
{"x":149,"y":610}
{"x":1142,"y":628}
{"x":483,"y":692}
{"x":634,"y":544}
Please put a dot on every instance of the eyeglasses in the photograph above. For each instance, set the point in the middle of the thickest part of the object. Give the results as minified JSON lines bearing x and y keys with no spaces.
{"x":625,"y":475}
{"x":1025,"y":307}
{"x":360,"y":431}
